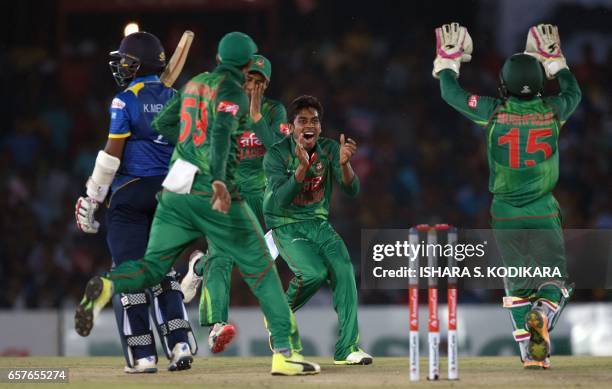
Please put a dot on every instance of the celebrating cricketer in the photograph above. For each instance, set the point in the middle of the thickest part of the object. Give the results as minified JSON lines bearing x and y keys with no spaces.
{"x":522,"y":130}
{"x":300,"y":171}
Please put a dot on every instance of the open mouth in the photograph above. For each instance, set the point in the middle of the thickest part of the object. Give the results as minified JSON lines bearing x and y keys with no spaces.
{"x":308,"y":135}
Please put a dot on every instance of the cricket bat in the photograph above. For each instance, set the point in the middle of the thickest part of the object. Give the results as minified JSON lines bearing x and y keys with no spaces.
{"x":177,"y":61}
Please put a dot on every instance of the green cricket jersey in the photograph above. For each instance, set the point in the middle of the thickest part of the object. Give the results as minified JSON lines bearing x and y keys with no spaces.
{"x":287,"y":201}
{"x":210,"y":107}
{"x":253,"y":142}
{"x":522,"y":136}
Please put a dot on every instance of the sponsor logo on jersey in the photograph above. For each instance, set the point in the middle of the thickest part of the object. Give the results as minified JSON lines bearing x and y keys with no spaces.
{"x":152,"y":108}
{"x":250,"y":146}
{"x":473,"y":101}
{"x":117,"y":103}
{"x":285,"y":129}
{"x":312,"y":192}
{"x":228,"y":106}
{"x":249,"y":139}
{"x":160,"y":140}
{"x":312,"y":184}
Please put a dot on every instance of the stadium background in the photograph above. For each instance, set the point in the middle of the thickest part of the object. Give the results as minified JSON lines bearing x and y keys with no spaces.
{"x":370,"y":64}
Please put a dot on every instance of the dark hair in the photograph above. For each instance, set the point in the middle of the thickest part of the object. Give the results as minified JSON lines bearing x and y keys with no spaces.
{"x":304,"y":101}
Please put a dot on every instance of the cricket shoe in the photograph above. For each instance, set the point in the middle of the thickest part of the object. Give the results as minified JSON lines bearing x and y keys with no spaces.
{"x":191,"y":282}
{"x":143,"y":365}
{"x":532,"y":364}
{"x":98,"y":293}
{"x":539,"y":342}
{"x":293,"y":365}
{"x":220,"y":336}
{"x":181,"y":357}
{"x":358,"y":357}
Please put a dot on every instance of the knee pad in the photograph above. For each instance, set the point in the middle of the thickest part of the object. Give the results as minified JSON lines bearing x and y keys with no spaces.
{"x":132,"y":307}
{"x":169,"y":313}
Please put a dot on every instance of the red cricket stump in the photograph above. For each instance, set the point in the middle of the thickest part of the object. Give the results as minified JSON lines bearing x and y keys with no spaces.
{"x":414,"y":333}
{"x":434,"y":322}
{"x":453,"y":366}
{"x":413,"y":302}
{"x":453,"y":359}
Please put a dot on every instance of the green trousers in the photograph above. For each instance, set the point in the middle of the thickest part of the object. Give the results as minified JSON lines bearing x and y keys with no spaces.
{"x":316,"y":254}
{"x":529,"y":236}
{"x":180,"y":219}
{"x":217,"y":274}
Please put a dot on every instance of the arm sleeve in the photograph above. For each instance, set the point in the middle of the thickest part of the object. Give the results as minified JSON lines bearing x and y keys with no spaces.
{"x":271,"y":134}
{"x":119,"y":118}
{"x":281,"y":183}
{"x":476,"y":108}
{"x":353,"y":188}
{"x":167,"y":122}
{"x":230,"y":107}
{"x":566,"y":102}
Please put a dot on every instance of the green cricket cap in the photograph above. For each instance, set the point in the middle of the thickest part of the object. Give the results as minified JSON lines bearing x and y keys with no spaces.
{"x":236,"y":48}
{"x":522,"y":75}
{"x":262,"y":65}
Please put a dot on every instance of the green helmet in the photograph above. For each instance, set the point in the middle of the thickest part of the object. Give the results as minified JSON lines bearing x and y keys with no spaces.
{"x":521,"y":76}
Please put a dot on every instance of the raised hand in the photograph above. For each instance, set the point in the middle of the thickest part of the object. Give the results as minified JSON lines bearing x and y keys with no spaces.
{"x":348,"y":148}
{"x":306,"y":161}
{"x":453,"y":46}
{"x":255,"y":106}
{"x":543,"y":43}
{"x":300,"y":151}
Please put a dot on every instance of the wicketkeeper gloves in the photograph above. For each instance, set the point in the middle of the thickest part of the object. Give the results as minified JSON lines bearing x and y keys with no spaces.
{"x":544,"y":44}
{"x":453,"y":46}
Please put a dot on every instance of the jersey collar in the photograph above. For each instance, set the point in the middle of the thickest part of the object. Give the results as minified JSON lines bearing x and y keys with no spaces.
{"x":149,"y":78}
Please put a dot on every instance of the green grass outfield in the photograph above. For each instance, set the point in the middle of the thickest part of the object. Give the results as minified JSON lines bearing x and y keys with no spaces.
{"x":220,"y":372}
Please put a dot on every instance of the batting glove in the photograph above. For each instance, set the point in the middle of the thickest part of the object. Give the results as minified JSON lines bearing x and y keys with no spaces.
{"x":543,"y":43}
{"x":84,"y":213}
{"x":453,"y":46}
